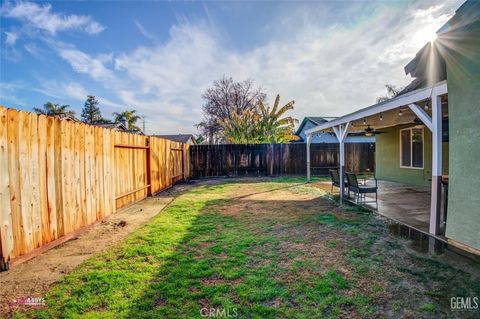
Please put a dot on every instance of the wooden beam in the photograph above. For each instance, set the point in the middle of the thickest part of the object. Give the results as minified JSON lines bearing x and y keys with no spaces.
{"x":132,"y":146}
{"x":345,"y":131}
{"x":132,"y":192}
{"x":422,"y":115}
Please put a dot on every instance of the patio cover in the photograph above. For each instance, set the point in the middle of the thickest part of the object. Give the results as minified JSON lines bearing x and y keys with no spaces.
{"x":410,"y":101}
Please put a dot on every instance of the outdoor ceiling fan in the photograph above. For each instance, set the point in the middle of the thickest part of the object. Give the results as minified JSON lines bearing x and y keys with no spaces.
{"x":371,"y":131}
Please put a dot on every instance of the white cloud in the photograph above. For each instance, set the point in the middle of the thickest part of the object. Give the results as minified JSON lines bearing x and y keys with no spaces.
{"x":32,"y":48}
{"x":327,"y":70}
{"x":143,"y":31}
{"x":84,"y":63}
{"x":10,"y":38}
{"x":41,"y":17}
{"x":9,"y":93}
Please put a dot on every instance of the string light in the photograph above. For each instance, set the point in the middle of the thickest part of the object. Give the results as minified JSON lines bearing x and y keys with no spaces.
{"x":400,"y":113}
{"x":364,"y":121}
{"x":381,"y":117}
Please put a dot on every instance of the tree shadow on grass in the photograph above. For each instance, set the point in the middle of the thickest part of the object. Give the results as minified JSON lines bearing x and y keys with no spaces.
{"x":250,"y":255}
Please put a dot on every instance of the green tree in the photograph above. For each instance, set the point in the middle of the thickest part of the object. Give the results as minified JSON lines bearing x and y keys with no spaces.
{"x":273,"y":126}
{"x":242,"y":128}
{"x":54,"y":109}
{"x":130,"y":117}
{"x":261,"y":125}
{"x":91,"y":111}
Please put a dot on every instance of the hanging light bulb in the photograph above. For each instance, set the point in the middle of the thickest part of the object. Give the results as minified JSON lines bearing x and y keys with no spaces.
{"x":364,"y":121}
{"x":400,"y":113}
{"x":426,"y":106}
{"x":381,"y":117}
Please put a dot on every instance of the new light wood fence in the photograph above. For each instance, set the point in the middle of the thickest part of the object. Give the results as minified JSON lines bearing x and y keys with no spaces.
{"x":58,"y":176}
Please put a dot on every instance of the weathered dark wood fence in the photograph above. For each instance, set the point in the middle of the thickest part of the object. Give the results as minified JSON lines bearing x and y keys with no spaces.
{"x":277,"y":159}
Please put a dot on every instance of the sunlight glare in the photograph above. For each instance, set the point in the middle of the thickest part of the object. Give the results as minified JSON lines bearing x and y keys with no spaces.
{"x":425,"y":35}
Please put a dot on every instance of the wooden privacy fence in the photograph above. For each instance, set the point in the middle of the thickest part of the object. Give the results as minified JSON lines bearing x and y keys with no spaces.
{"x":277,"y":159}
{"x":57,"y":176}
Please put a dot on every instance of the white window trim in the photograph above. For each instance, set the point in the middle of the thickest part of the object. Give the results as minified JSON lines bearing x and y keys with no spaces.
{"x":411,"y":146}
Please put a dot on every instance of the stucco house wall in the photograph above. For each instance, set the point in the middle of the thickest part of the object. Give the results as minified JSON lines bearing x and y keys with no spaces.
{"x":387,"y":158}
{"x":463,"y":74}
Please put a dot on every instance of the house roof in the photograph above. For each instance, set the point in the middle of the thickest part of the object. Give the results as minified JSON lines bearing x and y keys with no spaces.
{"x":119,"y":126}
{"x":181,"y":138}
{"x":316,"y":120}
{"x":67,"y":117}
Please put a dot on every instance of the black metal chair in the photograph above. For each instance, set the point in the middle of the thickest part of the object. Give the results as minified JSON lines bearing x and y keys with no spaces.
{"x":335,"y":175}
{"x":360,"y":190}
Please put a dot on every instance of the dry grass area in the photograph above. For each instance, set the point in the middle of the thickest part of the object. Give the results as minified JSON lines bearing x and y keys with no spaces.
{"x":261,"y":248}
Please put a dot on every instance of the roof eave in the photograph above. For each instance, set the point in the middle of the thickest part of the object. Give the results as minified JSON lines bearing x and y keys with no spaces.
{"x":402,"y":100}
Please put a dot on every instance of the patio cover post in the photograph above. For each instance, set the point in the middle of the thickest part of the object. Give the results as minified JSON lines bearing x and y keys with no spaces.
{"x":341,"y":134}
{"x":435,"y":205}
{"x":435,"y":125}
{"x":309,"y":140}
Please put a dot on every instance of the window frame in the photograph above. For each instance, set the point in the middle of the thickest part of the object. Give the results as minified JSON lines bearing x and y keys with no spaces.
{"x":422,"y":128}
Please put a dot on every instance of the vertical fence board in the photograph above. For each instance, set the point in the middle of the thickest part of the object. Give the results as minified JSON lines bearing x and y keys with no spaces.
{"x":25,"y":181}
{"x":14,"y":177}
{"x":59,"y":176}
{"x":50,"y":168}
{"x":6,"y":221}
{"x":46,"y":235}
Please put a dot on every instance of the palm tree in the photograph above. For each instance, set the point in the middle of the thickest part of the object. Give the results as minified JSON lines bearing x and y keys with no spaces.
{"x":54,"y":109}
{"x":274,"y":127}
{"x":242,"y":128}
{"x":260,"y":126}
{"x":130,"y":117}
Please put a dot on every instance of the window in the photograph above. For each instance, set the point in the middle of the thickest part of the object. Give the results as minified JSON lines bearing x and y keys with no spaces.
{"x":411,"y":147}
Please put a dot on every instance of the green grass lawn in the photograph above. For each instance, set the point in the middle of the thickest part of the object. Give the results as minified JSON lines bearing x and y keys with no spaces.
{"x":261,"y":249}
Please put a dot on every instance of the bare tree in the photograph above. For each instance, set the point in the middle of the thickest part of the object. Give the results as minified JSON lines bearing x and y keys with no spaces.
{"x":392,"y":91}
{"x":224,"y":99}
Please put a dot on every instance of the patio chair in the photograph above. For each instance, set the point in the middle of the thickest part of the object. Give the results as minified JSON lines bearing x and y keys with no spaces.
{"x":360,"y":190}
{"x":335,"y":175}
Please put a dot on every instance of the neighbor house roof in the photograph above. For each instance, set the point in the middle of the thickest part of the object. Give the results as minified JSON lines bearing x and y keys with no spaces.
{"x":316,"y":120}
{"x":181,"y":138}
{"x":118,"y":126}
{"x":67,"y":117}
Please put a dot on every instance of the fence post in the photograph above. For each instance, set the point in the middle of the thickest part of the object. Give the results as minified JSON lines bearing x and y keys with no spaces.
{"x":309,"y":140}
{"x":149,"y":176}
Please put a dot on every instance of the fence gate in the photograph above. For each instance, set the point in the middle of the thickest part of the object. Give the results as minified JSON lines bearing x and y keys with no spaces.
{"x":177,"y":164}
{"x":132,"y":168}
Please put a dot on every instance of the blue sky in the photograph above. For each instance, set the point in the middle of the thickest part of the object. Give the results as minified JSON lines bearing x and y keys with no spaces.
{"x":158,"y":57}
